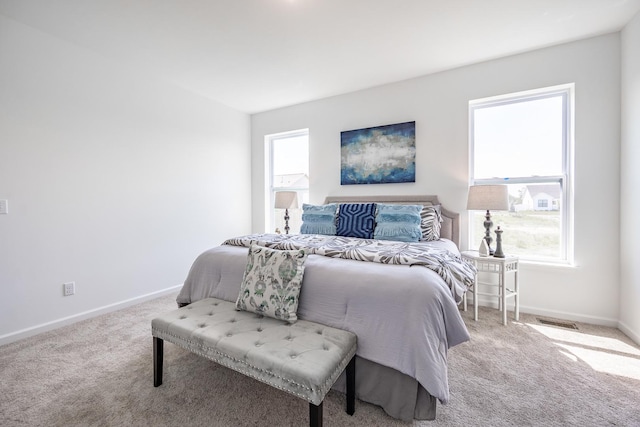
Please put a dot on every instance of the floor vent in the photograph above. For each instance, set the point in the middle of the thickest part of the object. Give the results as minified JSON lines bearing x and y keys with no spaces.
{"x":559,"y":323}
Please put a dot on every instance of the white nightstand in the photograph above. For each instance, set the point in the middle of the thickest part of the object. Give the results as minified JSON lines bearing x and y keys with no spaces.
{"x":504,"y":268}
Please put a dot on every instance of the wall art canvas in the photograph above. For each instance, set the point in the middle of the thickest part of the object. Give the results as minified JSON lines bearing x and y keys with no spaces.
{"x":379,"y":155}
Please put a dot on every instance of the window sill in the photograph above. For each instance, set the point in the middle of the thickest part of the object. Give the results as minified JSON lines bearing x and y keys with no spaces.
{"x":540,"y":264}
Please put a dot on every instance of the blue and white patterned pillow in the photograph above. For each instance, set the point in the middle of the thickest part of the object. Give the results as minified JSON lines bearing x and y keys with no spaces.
{"x":319,"y":219}
{"x":398,"y":222}
{"x":271,"y":282}
{"x":356,"y":220}
{"x":430,"y":223}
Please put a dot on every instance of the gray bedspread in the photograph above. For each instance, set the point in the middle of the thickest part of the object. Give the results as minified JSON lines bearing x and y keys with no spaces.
{"x":404,"y":316}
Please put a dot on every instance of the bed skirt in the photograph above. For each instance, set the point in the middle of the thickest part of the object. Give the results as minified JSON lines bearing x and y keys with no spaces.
{"x":400,"y":396}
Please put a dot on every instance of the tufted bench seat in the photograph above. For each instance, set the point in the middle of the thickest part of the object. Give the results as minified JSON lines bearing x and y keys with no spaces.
{"x":303,"y":358}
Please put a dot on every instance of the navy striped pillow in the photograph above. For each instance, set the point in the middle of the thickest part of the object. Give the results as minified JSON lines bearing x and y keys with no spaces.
{"x":356,"y":220}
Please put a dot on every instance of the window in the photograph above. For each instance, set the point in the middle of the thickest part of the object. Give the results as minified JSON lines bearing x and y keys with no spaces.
{"x":524,"y":141}
{"x":287,"y":156}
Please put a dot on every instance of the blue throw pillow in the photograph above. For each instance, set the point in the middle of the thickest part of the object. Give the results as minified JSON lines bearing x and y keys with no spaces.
{"x":319,"y":219}
{"x":398,"y":222}
{"x":356,"y":220}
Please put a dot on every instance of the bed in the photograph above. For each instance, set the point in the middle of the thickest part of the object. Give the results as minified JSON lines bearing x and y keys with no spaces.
{"x":404,"y":309}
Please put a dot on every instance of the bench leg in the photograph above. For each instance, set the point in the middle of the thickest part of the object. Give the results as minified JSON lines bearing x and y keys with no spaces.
{"x":351,"y":386}
{"x":158,"y":351}
{"x":315,"y":415}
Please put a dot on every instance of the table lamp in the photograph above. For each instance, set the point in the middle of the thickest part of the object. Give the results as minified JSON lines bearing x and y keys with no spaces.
{"x":286,"y":200}
{"x":488,"y":197}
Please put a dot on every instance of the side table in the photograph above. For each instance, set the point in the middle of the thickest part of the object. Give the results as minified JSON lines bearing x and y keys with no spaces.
{"x":503,"y":268}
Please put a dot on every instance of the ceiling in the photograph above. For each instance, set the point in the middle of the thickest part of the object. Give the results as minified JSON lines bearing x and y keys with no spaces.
{"x":258,"y":55}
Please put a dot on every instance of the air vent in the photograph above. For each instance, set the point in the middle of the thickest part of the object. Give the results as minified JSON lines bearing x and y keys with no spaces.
{"x":559,"y":323}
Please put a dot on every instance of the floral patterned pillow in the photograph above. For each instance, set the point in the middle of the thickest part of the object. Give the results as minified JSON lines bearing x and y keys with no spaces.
{"x":272,"y":281}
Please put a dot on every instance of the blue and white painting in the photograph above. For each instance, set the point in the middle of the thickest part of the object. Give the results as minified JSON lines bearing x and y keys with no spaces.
{"x":379,"y":155}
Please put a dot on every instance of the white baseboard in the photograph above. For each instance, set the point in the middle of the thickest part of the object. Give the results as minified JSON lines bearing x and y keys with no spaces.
{"x":576,"y":317}
{"x":55,"y":324}
{"x":629,"y":332}
{"x":562,"y":315}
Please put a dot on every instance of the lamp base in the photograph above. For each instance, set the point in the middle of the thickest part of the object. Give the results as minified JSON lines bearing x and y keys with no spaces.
{"x":487,"y":230}
{"x":286,"y":221}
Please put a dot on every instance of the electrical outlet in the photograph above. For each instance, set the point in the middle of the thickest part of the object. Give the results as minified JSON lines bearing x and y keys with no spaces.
{"x":4,"y":207}
{"x":69,"y":288}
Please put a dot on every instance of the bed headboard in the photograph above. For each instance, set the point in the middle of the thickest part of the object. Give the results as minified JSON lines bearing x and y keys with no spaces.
{"x":451,"y":220}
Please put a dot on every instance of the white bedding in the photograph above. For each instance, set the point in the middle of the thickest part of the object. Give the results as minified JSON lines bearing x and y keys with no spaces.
{"x":405,"y":317}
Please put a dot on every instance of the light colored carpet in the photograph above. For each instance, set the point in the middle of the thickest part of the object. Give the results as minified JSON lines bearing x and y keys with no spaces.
{"x":99,"y":373}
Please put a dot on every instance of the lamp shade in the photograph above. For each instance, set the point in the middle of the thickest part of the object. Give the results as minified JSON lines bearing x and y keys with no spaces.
{"x":286,"y":200}
{"x":488,"y":197}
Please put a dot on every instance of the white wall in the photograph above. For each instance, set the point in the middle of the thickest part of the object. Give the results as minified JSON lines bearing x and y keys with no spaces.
{"x":630,"y":181}
{"x":439,"y":105}
{"x":114,"y":181}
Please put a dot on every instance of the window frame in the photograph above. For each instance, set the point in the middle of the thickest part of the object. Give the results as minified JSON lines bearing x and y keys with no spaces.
{"x":565,"y":180}
{"x":270,"y":189}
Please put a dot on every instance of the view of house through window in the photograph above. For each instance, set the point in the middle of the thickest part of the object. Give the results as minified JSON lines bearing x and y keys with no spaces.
{"x":524,"y":141}
{"x":287,"y":156}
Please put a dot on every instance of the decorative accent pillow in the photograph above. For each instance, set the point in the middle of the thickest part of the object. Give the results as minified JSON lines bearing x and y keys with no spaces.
{"x":430,"y":223}
{"x":271,"y":282}
{"x":356,"y":220}
{"x":319,"y":219}
{"x":398,"y":222}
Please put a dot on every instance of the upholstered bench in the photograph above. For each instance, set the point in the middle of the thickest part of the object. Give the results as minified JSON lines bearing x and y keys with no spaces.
{"x":303,"y":358}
